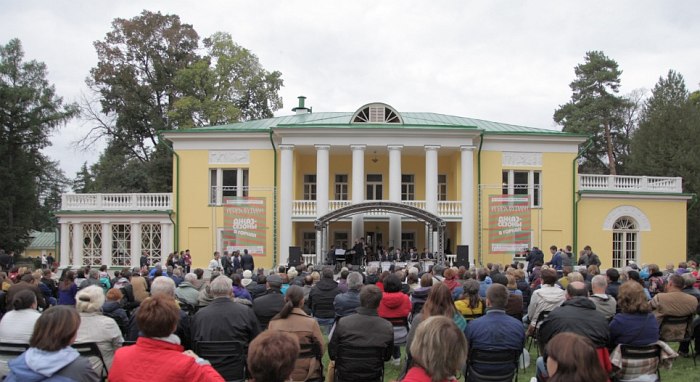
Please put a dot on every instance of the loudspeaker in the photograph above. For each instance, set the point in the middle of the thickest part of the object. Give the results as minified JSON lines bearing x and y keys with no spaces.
{"x":462,"y":256}
{"x":294,"y":256}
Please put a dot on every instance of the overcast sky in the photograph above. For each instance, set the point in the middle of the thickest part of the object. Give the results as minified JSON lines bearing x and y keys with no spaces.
{"x":505,"y":61}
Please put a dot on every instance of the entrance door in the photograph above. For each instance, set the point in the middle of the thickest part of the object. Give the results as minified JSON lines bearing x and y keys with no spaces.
{"x":374,"y":187}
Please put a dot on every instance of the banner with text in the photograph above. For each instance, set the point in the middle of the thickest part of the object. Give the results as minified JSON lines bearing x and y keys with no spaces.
{"x":509,"y":223}
{"x":244,"y":225}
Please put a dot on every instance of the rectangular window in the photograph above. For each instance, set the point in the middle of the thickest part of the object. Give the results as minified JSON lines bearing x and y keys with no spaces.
{"x":408,"y":240}
{"x":341,"y":187}
{"x":310,"y":187}
{"x":442,"y":187}
{"x":408,"y":187}
{"x":229,"y":184}
{"x":340,"y":239}
{"x":374,"y":187}
{"x":309,"y":242}
{"x":523,"y":183}
{"x":121,"y":245}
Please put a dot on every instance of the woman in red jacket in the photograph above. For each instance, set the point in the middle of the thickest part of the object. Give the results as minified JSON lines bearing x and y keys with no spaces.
{"x":157,"y":318}
{"x":395,"y":307}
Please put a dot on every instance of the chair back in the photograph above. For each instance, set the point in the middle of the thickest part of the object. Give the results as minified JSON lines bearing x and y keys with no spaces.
{"x":638,"y":361}
{"x":227,"y":357}
{"x":675,"y":328}
{"x":355,"y":363}
{"x":401,"y":329}
{"x":12,"y":350}
{"x":92,"y":351}
{"x":492,"y":365}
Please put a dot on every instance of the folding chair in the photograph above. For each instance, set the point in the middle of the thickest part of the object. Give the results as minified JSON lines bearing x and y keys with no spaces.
{"x":227,"y":357}
{"x":354,"y":363}
{"x":638,"y":361}
{"x":535,"y":336}
{"x":682,"y":322}
{"x":92,"y":351}
{"x":311,"y":349}
{"x":494,"y":365}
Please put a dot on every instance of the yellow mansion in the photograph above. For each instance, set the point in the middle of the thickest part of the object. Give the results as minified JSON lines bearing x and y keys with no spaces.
{"x":396,"y":179}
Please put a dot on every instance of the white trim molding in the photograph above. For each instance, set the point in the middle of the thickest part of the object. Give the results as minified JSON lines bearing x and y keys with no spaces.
{"x":521,"y":159}
{"x":229,"y":157}
{"x":631,"y":211}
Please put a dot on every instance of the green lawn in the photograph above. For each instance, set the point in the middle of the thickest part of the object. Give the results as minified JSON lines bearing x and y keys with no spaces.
{"x":682,"y":371}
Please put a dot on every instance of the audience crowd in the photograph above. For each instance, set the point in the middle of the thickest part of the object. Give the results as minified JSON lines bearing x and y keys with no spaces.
{"x":451,"y":321}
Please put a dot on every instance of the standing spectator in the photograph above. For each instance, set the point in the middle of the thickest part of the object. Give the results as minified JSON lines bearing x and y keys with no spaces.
{"x":226,"y":264}
{"x":186,"y":260}
{"x":216,"y":264}
{"x":604,"y":303}
{"x":346,"y":303}
{"x":95,"y":327}
{"x":5,"y":261}
{"x":322,"y":296}
{"x":533,"y":258}
{"x":67,"y":289}
{"x":158,"y":317}
{"x":44,"y":261}
{"x":352,"y":331}
{"x":236,"y":261}
{"x":635,"y":325}
{"x":247,"y":261}
{"x":144,"y":261}
{"x":269,"y":304}
{"x":292,"y":319}
{"x":439,"y":351}
{"x":556,"y":261}
{"x":50,"y":356}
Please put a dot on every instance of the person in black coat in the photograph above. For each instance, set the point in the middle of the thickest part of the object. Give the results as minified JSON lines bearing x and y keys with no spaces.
{"x":247,"y":262}
{"x":322,"y":296}
{"x":269,"y":304}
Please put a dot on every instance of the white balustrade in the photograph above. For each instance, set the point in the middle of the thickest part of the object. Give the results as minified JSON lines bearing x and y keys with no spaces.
{"x":415,"y":203}
{"x":117,"y":202}
{"x":307,"y":208}
{"x":304,"y":208}
{"x":628,"y":183}
{"x":337,"y":204}
{"x":451,"y":208}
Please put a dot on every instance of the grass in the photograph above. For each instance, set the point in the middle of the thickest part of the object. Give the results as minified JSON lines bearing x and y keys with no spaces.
{"x":683,"y":369}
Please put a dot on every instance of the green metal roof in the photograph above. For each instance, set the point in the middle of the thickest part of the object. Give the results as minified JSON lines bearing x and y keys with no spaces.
{"x":42,"y":240}
{"x":339,"y":120}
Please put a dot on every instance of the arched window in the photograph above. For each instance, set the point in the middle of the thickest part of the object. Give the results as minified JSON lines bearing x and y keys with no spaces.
{"x":625,"y":242}
{"x":376,"y":113}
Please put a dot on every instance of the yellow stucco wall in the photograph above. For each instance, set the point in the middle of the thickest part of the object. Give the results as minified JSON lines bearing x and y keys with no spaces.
{"x":664,"y":243}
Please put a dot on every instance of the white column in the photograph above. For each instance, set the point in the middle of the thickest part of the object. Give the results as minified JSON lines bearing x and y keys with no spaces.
{"x":219,"y":187}
{"x":431,"y":184}
{"x":286,"y":193}
{"x":395,"y":193}
{"x":239,"y":182}
{"x":467,"y":197}
{"x":65,"y":245}
{"x":77,"y":244}
{"x":322,"y":159}
{"x":136,"y":244}
{"x":358,"y":189}
{"x":106,"y":244}
{"x":166,"y":238}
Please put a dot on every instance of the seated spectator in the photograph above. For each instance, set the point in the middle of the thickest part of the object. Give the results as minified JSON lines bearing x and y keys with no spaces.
{"x":469,"y":303}
{"x":346,"y":303}
{"x":343,"y":281}
{"x":613,"y":276}
{"x":412,"y":280}
{"x":395,"y":305}
{"x":514,"y":307}
{"x":572,"y":358}
{"x":272,"y":356}
{"x":113,"y":308}
{"x":321,"y":298}
{"x":635,"y":325}
{"x":17,"y":325}
{"x":176,"y":275}
{"x":439,"y":351}
{"x":95,"y":327}
{"x":269,"y":304}
{"x":352,"y":331}
{"x":420,"y":294}
{"x":604,"y":303}
{"x":496,"y":330}
{"x":673,"y":302}
{"x":548,"y":297}
{"x":67,"y":289}
{"x":451,"y":279}
{"x":27,"y":282}
{"x":50,"y":356}
{"x":186,"y":291}
{"x":239,"y":291}
{"x":158,"y":317}
{"x":656,"y":279}
{"x":292,"y":319}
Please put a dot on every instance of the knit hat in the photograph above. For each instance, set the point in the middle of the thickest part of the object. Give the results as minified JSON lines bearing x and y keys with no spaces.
{"x":274,"y":280}
{"x":247,"y":278}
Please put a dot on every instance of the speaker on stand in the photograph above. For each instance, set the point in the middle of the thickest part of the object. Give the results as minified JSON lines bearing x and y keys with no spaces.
{"x":294,"y":256}
{"x":462,"y":256}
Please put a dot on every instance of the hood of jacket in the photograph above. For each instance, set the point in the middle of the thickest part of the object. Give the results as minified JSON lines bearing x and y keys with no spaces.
{"x":37,"y":365}
{"x":326,"y":285}
{"x":551,"y":294}
{"x":110,"y":306}
{"x":393,"y":300}
{"x":580,"y":302}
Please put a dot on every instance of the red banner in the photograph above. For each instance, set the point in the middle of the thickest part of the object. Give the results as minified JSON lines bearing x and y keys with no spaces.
{"x":509,"y":223}
{"x":244,"y":225}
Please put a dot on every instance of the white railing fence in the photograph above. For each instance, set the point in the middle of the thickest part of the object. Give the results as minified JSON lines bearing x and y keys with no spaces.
{"x":117,"y":202}
{"x":630,"y":183}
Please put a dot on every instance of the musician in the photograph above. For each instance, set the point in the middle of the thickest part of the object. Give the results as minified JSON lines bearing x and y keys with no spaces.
{"x":359,"y":249}
{"x":330,"y":256}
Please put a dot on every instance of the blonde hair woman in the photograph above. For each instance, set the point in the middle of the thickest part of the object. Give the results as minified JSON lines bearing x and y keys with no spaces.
{"x":94,"y":327}
{"x":439,"y":351}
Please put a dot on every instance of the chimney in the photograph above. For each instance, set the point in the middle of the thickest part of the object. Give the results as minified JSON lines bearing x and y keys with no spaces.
{"x":301,"y":109}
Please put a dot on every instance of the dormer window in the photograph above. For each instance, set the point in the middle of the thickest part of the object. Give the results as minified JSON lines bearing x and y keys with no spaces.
{"x":376,"y":113}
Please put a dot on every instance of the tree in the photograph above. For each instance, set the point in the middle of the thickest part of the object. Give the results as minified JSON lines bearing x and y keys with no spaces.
{"x":29,"y":111}
{"x":149,"y":78}
{"x":596,"y":110}
{"x":666,"y":142}
{"x":84,"y":181}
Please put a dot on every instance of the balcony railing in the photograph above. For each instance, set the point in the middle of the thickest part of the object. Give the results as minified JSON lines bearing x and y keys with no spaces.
{"x":630,"y":183}
{"x":117,"y":202}
{"x":307,"y":208}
